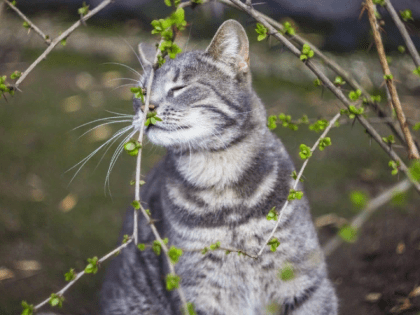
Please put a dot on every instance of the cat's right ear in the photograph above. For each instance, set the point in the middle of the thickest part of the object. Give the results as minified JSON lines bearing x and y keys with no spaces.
{"x":230,"y":45}
{"x":146,"y":54}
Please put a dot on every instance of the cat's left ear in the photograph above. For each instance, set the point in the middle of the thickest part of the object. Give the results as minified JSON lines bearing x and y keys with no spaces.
{"x":231,"y":46}
{"x":146,"y":54}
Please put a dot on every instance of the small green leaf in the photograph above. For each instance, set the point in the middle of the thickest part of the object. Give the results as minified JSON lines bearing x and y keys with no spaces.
{"x":307,"y":52}
{"x":178,"y":19}
{"x":348,"y":234}
{"x":13,"y":3}
{"x":305,"y":152}
{"x":273,"y":243}
{"x":126,"y":238}
{"x":388,"y":76}
{"x":355,"y":95}
{"x":174,"y":254}
{"x":172,"y":281}
{"x":319,"y":125}
{"x":395,"y":167}
{"x":317,"y":82}
{"x":262,"y":31}
{"x":271,"y":122}
{"x":272,"y":214}
{"x":287,"y":273}
{"x":132,"y":147}
{"x":141,"y":246}
{"x":295,"y":194}
{"x":401,"y":49}
{"x":28,"y":309}
{"x":148,"y":212}
{"x":71,"y":275}
{"x":417,"y":71}
{"x":26,"y":25}
{"x":406,"y":15}
{"x":205,"y":250}
{"x":289,"y":29}
{"x":294,"y":176}
{"x":389,"y":140}
{"x":380,"y":2}
{"x":56,"y":300}
{"x":136,"y":204}
{"x":15,"y":75}
{"x":215,"y":245}
{"x":84,"y":9}
{"x":63,"y":42}
{"x":157,"y":247}
{"x":92,"y":266}
{"x":191,"y":309}
{"x":359,"y":198}
{"x":324,"y":142}
{"x":416,"y":126}
{"x":414,"y":170}
{"x":339,"y":81}
{"x":168,"y":3}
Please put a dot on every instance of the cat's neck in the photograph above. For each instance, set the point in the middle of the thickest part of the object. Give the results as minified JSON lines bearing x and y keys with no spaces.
{"x":222,"y":168}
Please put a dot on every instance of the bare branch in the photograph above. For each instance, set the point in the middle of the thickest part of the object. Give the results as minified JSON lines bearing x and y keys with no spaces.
{"x":45,"y":38}
{"x":336,"y":91}
{"x":364,"y":215}
{"x":401,"y":27}
{"x":57,"y":40}
{"x":412,"y":149}
{"x":80,"y":274}
{"x":299,"y":175}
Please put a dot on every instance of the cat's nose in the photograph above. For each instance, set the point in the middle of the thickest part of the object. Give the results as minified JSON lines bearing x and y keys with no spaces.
{"x":151,"y":107}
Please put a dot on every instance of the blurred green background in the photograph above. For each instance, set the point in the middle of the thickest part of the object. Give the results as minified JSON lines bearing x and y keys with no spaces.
{"x":49,"y":224}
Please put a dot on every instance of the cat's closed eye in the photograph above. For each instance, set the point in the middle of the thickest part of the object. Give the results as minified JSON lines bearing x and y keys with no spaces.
{"x":176,"y":90}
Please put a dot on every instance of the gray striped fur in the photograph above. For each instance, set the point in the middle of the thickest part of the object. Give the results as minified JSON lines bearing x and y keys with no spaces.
{"x":223,"y":171}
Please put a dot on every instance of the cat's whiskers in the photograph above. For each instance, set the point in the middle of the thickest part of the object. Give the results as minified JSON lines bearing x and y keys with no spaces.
{"x":102,"y":119}
{"x":120,"y":114}
{"x":104,"y":124}
{"x":123,"y":65}
{"x":114,"y":159}
{"x":123,"y":85}
{"x":132,"y":49}
{"x":87,"y":158}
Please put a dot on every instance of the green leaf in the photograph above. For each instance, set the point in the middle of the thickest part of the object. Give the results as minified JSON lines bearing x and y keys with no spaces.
{"x":262,"y":31}
{"x":348,"y":234}
{"x":26,"y":25}
{"x":294,"y":176}
{"x":273,"y":243}
{"x":190,"y":309}
{"x":13,"y":3}
{"x":92,"y":266}
{"x":205,"y":250}
{"x":71,"y":275}
{"x":287,"y":273}
{"x":174,"y":254}
{"x":417,"y":71}
{"x":289,"y":29}
{"x":272,"y":214}
{"x":406,"y":15}
{"x":359,"y":198}
{"x":157,"y":247}
{"x":395,"y":167}
{"x":305,"y":152}
{"x":401,"y":49}
{"x":390,"y":139}
{"x":376,"y":98}
{"x":28,"y":309}
{"x":215,"y":245}
{"x":295,"y":194}
{"x":136,"y":204}
{"x":271,"y":122}
{"x":168,"y":3}
{"x":355,"y":95}
{"x":414,"y":170}
{"x":56,"y":300}
{"x":339,"y":81}
{"x":126,"y":238}
{"x":138,"y":93}
{"x":178,"y":19}
{"x":132,"y":147}
{"x":141,"y":246}
{"x":15,"y":75}
{"x":319,"y":125}
{"x":353,"y":110}
{"x":83,"y":10}
{"x":307,"y":52}
{"x":317,"y":82}
{"x":388,"y":76}
{"x":324,"y":142}
{"x":63,"y":42}
{"x":172,"y":281}
{"x":416,"y":126}
{"x":148,"y":212}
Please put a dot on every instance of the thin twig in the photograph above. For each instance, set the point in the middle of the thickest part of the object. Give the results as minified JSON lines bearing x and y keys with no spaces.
{"x":58,"y":39}
{"x":336,"y":91}
{"x":412,"y":149}
{"x":330,"y":125}
{"x":401,"y":27}
{"x":31,"y":24}
{"x":335,"y":67}
{"x":80,"y":274}
{"x":364,"y":215}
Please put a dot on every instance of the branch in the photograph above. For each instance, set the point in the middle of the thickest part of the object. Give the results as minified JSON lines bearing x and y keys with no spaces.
{"x":336,"y":91}
{"x":331,"y":124}
{"x":401,"y":27}
{"x":80,"y":274}
{"x":58,"y":39}
{"x":333,"y":66}
{"x":364,"y":215}
{"x":412,"y":149}
{"x":46,"y":38}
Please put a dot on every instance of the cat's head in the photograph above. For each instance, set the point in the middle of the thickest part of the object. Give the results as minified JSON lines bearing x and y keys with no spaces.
{"x":204,"y":98}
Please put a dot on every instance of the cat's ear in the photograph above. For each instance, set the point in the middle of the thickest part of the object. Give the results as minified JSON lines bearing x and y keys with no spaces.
{"x":230,"y":45}
{"x":146,"y":54}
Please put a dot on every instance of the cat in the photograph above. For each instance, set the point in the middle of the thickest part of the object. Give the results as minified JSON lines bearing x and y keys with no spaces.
{"x":223,"y":172}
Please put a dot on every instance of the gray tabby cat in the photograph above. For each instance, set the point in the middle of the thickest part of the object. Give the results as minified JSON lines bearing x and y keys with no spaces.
{"x":223,"y":172}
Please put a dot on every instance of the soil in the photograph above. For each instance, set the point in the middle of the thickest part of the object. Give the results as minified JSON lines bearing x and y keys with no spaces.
{"x":380,"y":272}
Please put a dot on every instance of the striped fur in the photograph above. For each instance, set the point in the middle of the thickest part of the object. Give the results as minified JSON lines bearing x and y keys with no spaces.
{"x":224,"y":170}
